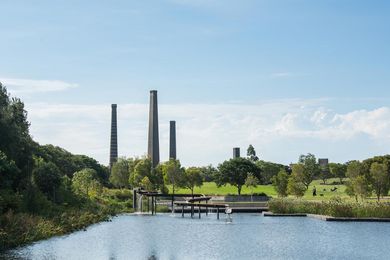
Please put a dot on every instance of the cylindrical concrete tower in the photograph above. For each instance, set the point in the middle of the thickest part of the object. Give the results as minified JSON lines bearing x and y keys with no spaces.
{"x":114,"y":136}
{"x":236,"y":152}
{"x":153,"y":140}
{"x":172,"y":140}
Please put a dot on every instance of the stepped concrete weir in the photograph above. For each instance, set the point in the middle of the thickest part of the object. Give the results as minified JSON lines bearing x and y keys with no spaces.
{"x":153,"y":137}
{"x":172,"y":140}
{"x":114,"y":136}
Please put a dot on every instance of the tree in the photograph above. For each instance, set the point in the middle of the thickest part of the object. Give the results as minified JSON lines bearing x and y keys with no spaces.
{"x":360,"y":187}
{"x":47,"y":178}
{"x":338,"y":170}
{"x":8,"y":172}
{"x":269,"y":170}
{"x":142,"y":169}
{"x":280,"y":182}
{"x":380,"y":179}
{"x":251,"y":182}
{"x":15,"y":140}
{"x":120,"y":173}
{"x":354,"y":169}
{"x":173,"y":174}
{"x":193,"y":178}
{"x":324,"y":173}
{"x":208,"y":173}
{"x":311,"y":168}
{"x":295,"y":186}
{"x":146,"y":184}
{"x":235,"y":172}
{"x":251,"y":153}
{"x":86,"y":181}
{"x":357,"y":185}
{"x":69,"y":163}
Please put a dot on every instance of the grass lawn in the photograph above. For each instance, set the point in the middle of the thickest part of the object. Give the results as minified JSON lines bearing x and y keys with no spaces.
{"x":325,"y":190}
{"x":210,"y":188}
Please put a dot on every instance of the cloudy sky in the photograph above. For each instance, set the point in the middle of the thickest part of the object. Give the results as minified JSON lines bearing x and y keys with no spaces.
{"x":288,"y":76}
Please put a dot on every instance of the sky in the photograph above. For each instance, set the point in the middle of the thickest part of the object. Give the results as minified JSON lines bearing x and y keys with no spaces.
{"x":289,"y":77}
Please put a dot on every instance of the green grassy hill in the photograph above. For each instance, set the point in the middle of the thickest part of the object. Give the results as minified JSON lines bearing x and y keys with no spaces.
{"x":210,"y":188}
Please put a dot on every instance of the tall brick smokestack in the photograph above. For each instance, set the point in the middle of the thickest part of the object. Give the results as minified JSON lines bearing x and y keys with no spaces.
{"x":153,"y":140}
{"x":114,"y":136}
{"x":172,"y":140}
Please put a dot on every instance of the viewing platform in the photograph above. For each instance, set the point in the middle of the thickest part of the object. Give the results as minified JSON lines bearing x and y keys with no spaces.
{"x":197,"y":203}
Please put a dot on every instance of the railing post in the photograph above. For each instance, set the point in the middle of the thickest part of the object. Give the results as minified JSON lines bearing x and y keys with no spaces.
{"x":152,"y":205}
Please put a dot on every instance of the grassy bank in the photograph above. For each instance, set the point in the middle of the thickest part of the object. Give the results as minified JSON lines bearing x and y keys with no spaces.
{"x":324,"y":191}
{"x":335,"y":207}
{"x":19,"y":228}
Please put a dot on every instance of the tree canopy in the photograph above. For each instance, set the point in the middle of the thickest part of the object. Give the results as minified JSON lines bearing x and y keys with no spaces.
{"x":173,"y":174}
{"x":235,"y":171}
{"x":193,"y":178}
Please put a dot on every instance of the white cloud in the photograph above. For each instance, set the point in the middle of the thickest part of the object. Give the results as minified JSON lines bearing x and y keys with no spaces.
{"x":206,"y":133}
{"x":281,"y":74}
{"x":17,"y":86}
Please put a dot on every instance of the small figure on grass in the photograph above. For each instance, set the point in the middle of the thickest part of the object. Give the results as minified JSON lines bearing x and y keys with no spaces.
{"x":314,"y":191}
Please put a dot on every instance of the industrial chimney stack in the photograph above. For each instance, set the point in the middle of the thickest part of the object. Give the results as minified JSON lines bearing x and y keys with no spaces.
{"x":172,"y":140}
{"x":114,"y":136}
{"x":153,"y":140}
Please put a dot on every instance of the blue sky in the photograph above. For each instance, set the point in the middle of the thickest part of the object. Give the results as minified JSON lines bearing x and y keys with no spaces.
{"x":291,"y":76}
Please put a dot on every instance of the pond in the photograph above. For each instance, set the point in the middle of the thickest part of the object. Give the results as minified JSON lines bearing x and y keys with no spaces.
{"x":249,"y":236}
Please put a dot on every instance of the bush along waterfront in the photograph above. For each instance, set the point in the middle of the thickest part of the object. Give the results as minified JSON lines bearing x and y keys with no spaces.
{"x":335,"y":207}
{"x":46,"y":190}
{"x":18,"y":227}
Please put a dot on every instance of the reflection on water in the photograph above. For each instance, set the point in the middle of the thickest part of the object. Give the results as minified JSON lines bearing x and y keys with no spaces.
{"x":248,"y":237}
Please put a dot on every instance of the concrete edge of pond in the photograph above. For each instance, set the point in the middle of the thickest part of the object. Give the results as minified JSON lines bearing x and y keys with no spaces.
{"x":327,"y":218}
{"x":270,"y":214}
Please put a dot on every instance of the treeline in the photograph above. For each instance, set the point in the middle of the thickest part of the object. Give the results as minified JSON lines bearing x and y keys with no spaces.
{"x":40,"y":183}
{"x":363,"y":178}
{"x":138,"y":172}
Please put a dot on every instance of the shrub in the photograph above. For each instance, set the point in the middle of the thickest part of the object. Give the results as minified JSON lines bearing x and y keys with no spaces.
{"x":335,"y":207}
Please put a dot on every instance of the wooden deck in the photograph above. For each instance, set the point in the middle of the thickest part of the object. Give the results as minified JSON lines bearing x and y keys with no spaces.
{"x":206,"y":206}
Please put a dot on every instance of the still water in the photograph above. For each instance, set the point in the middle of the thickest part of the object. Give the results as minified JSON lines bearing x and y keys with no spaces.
{"x":249,"y":236}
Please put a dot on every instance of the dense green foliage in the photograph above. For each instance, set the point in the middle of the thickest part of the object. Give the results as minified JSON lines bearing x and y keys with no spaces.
{"x":335,"y":208}
{"x":193,"y":178}
{"x":310,"y":170}
{"x":251,"y":182}
{"x":120,"y":173}
{"x":47,"y":178}
{"x":251,"y":153}
{"x":296,"y":183}
{"x":235,"y":171}
{"x":208,"y":173}
{"x":280,"y":182}
{"x":44,"y":190}
{"x":380,"y":179}
{"x":173,"y":174}
{"x":269,"y":170}
{"x":338,"y":170}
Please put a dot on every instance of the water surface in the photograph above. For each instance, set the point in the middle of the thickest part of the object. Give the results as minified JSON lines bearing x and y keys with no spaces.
{"x":250,"y":236}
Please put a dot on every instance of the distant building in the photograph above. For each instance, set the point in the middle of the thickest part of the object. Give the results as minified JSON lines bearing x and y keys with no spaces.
{"x":236,"y":152}
{"x":323,"y":162}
